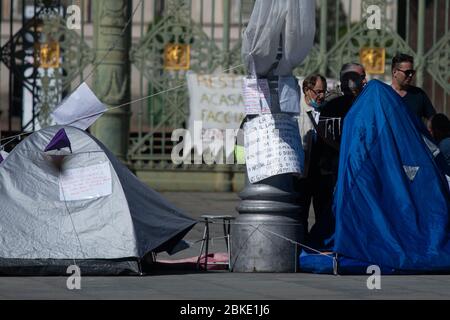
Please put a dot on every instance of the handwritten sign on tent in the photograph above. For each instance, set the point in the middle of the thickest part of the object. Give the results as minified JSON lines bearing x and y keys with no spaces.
{"x":81,"y":109}
{"x":272,"y":146}
{"x":85,"y":183}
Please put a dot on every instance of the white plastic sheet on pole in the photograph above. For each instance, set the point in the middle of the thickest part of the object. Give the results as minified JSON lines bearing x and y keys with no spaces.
{"x":294,"y":20}
{"x":279,"y":36}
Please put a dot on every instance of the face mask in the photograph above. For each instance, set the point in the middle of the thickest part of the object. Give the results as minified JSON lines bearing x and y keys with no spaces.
{"x":314,"y":104}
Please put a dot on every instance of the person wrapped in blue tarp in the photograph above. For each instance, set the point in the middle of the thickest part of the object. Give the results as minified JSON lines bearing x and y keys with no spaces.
{"x":392,"y":200}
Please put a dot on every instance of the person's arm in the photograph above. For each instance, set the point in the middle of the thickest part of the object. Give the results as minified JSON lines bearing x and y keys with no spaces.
{"x":428,"y":108}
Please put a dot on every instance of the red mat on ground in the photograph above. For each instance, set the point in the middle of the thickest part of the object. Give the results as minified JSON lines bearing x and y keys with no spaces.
{"x":216,"y":261}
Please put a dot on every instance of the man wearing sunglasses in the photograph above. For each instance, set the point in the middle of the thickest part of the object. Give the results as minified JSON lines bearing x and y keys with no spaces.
{"x":402,"y":77}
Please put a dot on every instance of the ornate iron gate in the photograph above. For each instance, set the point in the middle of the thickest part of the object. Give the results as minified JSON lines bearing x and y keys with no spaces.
{"x":181,"y":25}
{"x":43,"y":58}
{"x":341,"y":34}
{"x":404,"y":28}
{"x":204,"y":36}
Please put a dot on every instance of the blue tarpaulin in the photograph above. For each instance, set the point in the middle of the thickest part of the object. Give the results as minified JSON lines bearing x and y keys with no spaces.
{"x":392,"y":200}
{"x":325,"y":263}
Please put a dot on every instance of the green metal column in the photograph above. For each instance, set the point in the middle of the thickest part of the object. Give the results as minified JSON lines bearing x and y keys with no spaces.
{"x":226,"y":32}
{"x":323,"y":36}
{"x":421,"y":43}
{"x":112,"y":74}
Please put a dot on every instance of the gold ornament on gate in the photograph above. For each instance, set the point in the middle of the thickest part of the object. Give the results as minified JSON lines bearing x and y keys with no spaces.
{"x":47,"y":55}
{"x":177,"y":56}
{"x":373,"y":59}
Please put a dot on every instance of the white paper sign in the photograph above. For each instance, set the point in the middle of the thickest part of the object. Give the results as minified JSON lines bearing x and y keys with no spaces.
{"x":217,"y":103}
{"x":256,"y":96}
{"x":85,"y":183}
{"x":289,"y":93}
{"x":81,"y":109}
{"x":272,"y":146}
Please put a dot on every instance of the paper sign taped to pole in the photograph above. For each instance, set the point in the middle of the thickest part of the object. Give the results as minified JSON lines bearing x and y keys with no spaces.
{"x":289,"y":93}
{"x":272,"y":146}
{"x":81,"y":109}
{"x":256,"y":96}
{"x":85,"y":183}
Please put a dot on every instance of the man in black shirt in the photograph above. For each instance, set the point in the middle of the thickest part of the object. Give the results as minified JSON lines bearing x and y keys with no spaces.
{"x":415,"y":98}
{"x":332,"y":114}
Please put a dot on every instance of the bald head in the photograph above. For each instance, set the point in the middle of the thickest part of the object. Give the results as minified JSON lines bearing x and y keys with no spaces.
{"x":353,"y":78}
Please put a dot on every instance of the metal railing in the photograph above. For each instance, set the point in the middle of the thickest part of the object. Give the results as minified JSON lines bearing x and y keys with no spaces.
{"x":213,"y":29}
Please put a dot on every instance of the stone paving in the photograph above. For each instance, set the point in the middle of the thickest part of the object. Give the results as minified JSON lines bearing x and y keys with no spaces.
{"x":222,"y":284}
{"x":227,"y":286}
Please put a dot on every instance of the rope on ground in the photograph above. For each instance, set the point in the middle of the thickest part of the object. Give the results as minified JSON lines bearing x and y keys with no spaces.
{"x":73,"y":226}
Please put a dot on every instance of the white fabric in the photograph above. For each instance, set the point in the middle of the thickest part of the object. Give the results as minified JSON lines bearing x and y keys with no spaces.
{"x":293,"y":20}
{"x":81,"y":109}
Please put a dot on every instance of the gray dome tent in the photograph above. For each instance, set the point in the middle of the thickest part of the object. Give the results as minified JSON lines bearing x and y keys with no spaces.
{"x":105,"y":221}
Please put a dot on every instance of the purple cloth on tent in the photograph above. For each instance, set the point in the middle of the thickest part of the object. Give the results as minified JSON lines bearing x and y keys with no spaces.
{"x":1,"y":158}
{"x":59,"y":141}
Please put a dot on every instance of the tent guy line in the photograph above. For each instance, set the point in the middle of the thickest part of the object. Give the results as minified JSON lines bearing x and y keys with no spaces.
{"x":275,"y":234}
{"x":73,"y":225}
{"x":110,"y":109}
{"x":260,"y":227}
{"x":140,"y":99}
